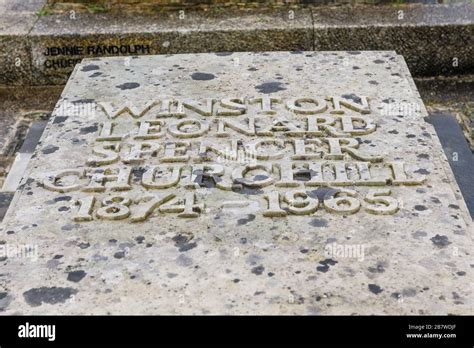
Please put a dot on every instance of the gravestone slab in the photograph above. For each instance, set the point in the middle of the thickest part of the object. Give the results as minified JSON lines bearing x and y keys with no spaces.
{"x":245,"y":183}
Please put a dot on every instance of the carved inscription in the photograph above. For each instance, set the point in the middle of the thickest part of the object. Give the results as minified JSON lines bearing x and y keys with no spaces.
{"x":283,"y":149}
{"x":66,"y":57}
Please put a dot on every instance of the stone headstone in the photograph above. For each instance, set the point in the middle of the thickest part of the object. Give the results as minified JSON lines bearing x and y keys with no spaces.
{"x":245,"y":183}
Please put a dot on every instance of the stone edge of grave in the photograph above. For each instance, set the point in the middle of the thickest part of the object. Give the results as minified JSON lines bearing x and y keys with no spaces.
{"x":450,"y":135}
{"x":42,"y":129}
{"x":434,"y":39}
{"x":13,"y":197}
{"x":19,"y":167}
{"x":166,"y":5}
{"x":23,"y":156}
{"x":439,"y":151}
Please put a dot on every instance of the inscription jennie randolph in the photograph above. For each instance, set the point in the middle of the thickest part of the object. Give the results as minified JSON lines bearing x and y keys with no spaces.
{"x":244,"y":183}
{"x":60,"y":57}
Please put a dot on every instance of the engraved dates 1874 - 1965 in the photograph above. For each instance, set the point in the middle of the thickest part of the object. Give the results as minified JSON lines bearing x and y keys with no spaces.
{"x":285,"y":148}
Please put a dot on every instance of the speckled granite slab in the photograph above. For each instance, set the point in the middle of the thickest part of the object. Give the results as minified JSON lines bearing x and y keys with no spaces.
{"x":245,"y":183}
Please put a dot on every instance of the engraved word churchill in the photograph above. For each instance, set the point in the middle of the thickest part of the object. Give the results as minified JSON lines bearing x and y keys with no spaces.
{"x":180,"y":147}
{"x":233,"y":181}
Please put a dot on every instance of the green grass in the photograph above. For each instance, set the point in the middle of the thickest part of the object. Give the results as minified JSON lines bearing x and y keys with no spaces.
{"x":43,"y":12}
{"x":94,"y":8}
{"x":398,"y":3}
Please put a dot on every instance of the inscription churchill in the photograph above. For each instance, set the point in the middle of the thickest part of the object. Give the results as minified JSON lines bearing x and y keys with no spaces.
{"x":292,"y":144}
{"x":243,"y":183}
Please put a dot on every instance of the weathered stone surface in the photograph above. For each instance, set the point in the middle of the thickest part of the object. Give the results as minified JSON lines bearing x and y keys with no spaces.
{"x":174,"y":4}
{"x":16,"y":20}
{"x":15,"y":61}
{"x":5,"y":198}
{"x":21,"y":106}
{"x":22,"y":158}
{"x":435,"y":40}
{"x":460,"y":156}
{"x":217,"y":239}
{"x":451,"y":95}
{"x":59,"y":42}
